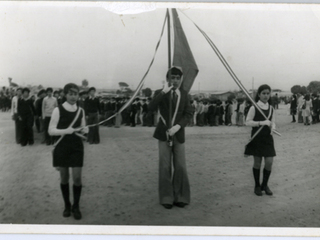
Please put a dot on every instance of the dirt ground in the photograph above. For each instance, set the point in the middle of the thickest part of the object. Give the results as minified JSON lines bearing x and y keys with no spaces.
{"x":120,"y":179}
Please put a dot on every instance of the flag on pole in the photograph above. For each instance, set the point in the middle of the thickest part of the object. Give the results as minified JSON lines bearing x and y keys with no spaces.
{"x":182,"y":55}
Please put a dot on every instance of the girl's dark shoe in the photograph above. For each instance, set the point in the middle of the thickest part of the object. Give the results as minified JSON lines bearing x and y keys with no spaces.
{"x":267,"y":190}
{"x":264,"y":185}
{"x":257,"y":191}
{"x":76,"y":213}
{"x":67,"y":211}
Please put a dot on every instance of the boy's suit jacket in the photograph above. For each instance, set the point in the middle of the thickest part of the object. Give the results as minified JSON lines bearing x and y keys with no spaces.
{"x":181,"y":114}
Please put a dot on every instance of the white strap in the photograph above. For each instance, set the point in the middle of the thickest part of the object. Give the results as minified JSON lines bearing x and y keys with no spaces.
{"x":74,"y":120}
{"x":259,"y":130}
{"x":177,"y":106}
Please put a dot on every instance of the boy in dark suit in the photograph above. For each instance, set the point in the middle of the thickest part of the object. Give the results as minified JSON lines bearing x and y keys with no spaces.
{"x":92,"y":110}
{"x":173,"y":190}
{"x":26,"y":112}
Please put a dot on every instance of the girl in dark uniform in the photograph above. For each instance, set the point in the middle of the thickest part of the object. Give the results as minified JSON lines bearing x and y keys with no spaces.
{"x":65,"y":122}
{"x":261,"y":144}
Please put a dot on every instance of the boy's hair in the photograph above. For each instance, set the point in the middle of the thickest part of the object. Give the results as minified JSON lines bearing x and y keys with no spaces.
{"x":174,"y":71}
{"x":55,"y":92}
{"x":19,"y":88}
{"x":260,"y":89}
{"x":40,"y":92}
{"x":26,"y":90}
{"x":92,"y":89}
{"x":70,"y":87}
{"x":49,"y":90}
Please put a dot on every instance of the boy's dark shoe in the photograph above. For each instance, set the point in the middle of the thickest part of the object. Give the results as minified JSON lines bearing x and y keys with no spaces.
{"x":180,"y":204}
{"x":167,"y":206}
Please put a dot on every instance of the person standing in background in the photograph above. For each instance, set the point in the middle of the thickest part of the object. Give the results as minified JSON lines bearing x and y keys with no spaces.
{"x":205,"y":113}
{"x":61,"y":99}
{"x":38,"y":106}
{"x":14,"y":114}
{"x":306,"y":110}
{"x":221,"y":112}
{"x":49,"y":103}
{"x":26,"y":114}
{"x":211,"y":113}
{"x":81,"y":99}
{"x":293,"y":107}
{"x":133,"y":112}
{"x":300,"y":103}
{"x":315,"y":107}
{"x":241,"y":113}
{"x":144,"y":113}
{"x":229,"y":112}
{"x":200,"y":113}
{"x":92,"y":110}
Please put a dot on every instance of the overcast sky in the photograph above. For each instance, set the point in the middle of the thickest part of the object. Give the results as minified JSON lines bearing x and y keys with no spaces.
{"x":53,"y":45}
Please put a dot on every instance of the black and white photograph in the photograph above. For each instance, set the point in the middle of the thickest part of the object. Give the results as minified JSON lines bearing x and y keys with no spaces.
{"x":158,"y":114}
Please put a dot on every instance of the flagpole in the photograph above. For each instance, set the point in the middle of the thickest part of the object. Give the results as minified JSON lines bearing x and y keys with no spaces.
{"x":169,"y":66}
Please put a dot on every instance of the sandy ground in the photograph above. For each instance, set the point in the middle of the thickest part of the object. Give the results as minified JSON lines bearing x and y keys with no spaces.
{"x":120,"y":179}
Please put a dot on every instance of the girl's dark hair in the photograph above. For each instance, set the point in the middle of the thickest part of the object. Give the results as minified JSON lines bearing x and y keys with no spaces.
{"x":70,"y":87}
{"x":260,"y":89}
{"x":307,"y":97}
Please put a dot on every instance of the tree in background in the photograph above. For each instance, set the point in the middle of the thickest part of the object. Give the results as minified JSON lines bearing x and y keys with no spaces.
{"x":12,"y":84}
{"x":231,"y":96}
{"x":299,"y":89}
{"x":147,"y":92}
{"x":85,"y":83}
{"x":304,"y":90}
{"x":124,"y":89}
{"x":314,"y":87}
{"x":296,"y":89}
{"x":123,"y":86}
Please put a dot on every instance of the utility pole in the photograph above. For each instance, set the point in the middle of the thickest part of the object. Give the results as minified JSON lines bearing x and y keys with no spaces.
{"x":252,"y":86}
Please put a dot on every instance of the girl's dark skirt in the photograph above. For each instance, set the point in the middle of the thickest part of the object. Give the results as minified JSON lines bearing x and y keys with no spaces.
{"x":69,"y":152}
{"x":261,"y":146}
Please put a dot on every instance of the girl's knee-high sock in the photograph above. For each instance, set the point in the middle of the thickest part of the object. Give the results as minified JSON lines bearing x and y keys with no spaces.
{"x":65,"y":194}
{"x":264,"y":187}
{"x":76,"y":195}
{"x":76,"y":198}
{"x":266,"y":175}
{"x":256,"y":175}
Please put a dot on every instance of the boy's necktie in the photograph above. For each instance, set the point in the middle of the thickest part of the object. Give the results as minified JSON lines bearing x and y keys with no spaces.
{"x":174,"y":100}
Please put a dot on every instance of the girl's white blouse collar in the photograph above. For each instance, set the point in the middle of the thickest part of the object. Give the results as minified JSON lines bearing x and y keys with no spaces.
{"x":69,"y":107}
{"x":263,"y":105}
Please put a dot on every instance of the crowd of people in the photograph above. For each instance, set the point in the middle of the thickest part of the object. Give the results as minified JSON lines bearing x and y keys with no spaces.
{"x":307,"y":107}
{"x":36,"y":110}
{"x":216,"y":112}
